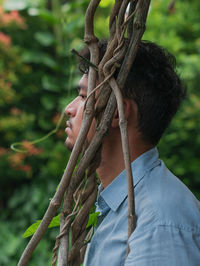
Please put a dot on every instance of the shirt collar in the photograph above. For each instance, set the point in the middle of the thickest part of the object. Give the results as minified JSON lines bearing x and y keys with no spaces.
{"x":115,"y":193}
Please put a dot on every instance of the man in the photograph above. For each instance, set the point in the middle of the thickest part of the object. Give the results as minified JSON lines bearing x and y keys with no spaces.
{"x":167,"y":230}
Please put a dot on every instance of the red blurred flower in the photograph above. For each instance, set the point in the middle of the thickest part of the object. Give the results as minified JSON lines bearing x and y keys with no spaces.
{"x":56,"y":118}
{"x":3,"y":151}
{"x":60,"y":133}
{"x":15,"y":111}
{"x":16,"y":159}
{"x":30,"y":148}
{"x":12,"y":17}
{"x":26,"y":168}
{"x":5,"y":39}
{"x":1,"y":10}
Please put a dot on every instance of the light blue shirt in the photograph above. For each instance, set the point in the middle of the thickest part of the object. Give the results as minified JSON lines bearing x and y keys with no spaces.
{"x":167,"y":232}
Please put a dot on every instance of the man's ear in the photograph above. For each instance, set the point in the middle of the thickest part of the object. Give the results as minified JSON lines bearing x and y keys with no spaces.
{"x":127,"y":109}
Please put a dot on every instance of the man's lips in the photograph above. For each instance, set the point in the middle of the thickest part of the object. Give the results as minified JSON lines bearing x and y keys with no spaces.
{"x":68,"y":126}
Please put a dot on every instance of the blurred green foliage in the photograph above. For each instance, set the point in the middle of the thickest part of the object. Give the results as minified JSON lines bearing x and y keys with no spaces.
{"x":38,"y":77}
{"x":177,"y":28}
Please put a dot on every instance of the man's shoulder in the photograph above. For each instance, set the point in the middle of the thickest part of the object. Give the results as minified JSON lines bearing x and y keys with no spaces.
{"x":167,"y":201}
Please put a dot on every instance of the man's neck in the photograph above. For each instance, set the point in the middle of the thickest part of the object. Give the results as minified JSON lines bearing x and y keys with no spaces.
{"x":112,"y":162}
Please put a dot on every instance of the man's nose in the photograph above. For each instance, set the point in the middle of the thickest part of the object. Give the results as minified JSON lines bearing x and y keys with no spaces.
{"x":70,"y":109}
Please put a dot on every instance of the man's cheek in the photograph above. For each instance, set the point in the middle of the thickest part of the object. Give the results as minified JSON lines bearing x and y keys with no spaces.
{"x":92,"y":130}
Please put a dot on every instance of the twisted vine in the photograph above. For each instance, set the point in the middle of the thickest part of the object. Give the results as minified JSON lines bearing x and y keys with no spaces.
{"x":119,"y":54}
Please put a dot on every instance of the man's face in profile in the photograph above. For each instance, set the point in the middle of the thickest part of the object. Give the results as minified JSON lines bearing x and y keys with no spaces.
{"x":74,"y":111}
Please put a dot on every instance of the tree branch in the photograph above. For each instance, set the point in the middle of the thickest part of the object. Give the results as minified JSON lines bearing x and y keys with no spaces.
{"x":91,"y":41}
{"x":116,"y":51}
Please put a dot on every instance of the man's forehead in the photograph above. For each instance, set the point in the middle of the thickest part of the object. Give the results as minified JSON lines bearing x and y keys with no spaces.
{"x":83,"y":83}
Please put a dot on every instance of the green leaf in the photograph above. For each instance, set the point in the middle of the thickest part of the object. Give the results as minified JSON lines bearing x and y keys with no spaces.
{"x":50,"y":83}
{"x":38,"y":57}
{"x":32,"y":229}
{"x":48,"y":16}
{"x":48,"y":101}
{"x":44,"y":38}
{"x":92,"y":219}
{"x":106,"y":3}
{"x":55,"y":221}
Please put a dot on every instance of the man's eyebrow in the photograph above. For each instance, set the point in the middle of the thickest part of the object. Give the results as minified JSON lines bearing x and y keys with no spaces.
{"x":81,"y":87}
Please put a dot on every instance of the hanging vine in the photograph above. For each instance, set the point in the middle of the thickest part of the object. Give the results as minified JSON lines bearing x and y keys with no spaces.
{"x":79,"y":185}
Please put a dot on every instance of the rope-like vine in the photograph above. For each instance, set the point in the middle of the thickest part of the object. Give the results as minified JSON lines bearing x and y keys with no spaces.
{"x":80,"y":191}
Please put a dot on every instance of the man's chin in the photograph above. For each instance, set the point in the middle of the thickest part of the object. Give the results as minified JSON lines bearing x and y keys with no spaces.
{"x":69,"y":145}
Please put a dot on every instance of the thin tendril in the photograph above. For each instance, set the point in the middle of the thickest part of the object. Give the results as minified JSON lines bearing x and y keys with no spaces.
{"x":13,"y":145}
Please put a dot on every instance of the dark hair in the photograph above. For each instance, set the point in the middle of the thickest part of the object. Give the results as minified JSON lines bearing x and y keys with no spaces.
{"x":154,"y":85}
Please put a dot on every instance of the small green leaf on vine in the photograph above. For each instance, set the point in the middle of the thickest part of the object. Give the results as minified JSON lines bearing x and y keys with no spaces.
{"x":92,"y":219}
{"x":32,"y":229}
{"x":56,"y":222}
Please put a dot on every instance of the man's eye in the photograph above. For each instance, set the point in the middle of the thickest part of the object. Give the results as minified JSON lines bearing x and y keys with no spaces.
{"x":82,"y":96}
